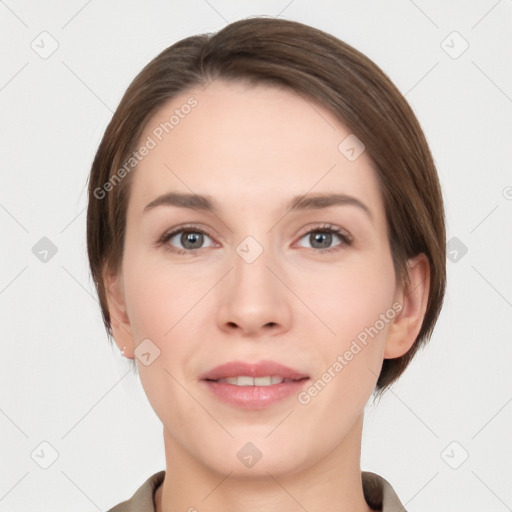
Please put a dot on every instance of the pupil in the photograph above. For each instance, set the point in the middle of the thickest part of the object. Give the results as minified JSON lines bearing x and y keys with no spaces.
{"x":189,"y":239}
{"x":322,"y":237}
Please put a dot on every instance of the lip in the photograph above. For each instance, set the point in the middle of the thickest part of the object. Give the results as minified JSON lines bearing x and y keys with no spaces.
{"x":253,"y":397}
{"x":259,"y":369}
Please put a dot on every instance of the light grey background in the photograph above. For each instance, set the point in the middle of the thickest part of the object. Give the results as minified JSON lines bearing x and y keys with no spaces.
{"x":60,"y":381}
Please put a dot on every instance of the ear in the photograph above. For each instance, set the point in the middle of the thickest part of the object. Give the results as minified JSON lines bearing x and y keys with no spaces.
{"x":407,"y":324}
{"x":119,"y":320}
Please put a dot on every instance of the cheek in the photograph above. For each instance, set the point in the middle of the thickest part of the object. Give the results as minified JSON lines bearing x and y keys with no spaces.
{"x":350,"y":297}
{"x":161,"y":302}
{"x":169,"y":308}
{"x":354,"y":305}
{"x":357,"y":306}
{"x":159,"y":296}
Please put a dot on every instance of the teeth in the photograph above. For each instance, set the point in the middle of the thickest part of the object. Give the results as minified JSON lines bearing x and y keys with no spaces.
{"x":262,"y":381}
{"x":245,"y":380}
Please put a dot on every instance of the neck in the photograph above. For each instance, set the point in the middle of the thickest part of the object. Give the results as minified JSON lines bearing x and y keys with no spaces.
{"x":333,"y":484}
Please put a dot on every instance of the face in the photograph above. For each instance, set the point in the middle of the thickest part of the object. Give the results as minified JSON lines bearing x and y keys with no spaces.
{"x":253,"y":299}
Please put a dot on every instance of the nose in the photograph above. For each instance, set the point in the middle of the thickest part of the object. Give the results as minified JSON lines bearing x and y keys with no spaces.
{"x":254,"y":301}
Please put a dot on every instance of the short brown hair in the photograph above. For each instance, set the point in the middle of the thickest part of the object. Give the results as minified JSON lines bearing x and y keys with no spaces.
{"x":316,"y":65}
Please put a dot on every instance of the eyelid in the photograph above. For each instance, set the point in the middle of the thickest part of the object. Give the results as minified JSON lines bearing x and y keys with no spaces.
{"x":325,"y":226}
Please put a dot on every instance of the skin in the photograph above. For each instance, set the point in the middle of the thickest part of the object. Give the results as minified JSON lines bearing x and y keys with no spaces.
{"x":296,"y":305}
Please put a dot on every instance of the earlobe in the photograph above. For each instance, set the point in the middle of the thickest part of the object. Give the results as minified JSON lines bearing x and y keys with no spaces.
{"x":119,"y":321}
{"x":407,"y":324}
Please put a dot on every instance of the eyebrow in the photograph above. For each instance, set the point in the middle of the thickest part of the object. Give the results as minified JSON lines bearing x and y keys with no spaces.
{"x":304,"y":202}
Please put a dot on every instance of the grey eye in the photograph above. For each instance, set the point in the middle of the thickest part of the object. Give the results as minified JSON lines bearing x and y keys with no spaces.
{"x":321,"y":239}
{"x":189,"y":239}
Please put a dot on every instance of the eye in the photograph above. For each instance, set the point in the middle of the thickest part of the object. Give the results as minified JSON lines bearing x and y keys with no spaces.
{"x":185,"y":240}
{"x":190,"y":239}
{"x":322,"y":238}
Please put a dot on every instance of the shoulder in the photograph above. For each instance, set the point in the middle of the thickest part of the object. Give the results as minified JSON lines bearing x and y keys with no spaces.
{"x":142,"y":500}
{"x":379,"y":493}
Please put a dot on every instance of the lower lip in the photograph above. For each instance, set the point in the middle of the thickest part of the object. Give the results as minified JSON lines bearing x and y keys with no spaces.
{"x":254,"y":397}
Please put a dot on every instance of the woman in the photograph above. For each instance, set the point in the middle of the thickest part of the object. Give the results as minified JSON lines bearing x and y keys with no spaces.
{"x":266,"y":234}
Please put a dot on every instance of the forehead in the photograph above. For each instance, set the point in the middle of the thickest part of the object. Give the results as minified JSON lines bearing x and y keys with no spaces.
{"x":263,"y":141}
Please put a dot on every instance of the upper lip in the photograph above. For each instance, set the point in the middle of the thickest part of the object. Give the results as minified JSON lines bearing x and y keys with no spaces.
{"x":256,"y":369}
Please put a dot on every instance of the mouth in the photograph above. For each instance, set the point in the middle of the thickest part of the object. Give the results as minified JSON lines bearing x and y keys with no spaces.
{"x":253,"y":385}
{"x":246,"y":380}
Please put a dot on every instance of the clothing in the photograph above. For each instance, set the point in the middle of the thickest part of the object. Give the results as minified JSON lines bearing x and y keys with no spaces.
{"x":377,"y":491}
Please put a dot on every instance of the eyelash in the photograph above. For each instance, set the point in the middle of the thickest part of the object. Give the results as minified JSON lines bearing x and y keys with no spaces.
{"x":346,"y":239}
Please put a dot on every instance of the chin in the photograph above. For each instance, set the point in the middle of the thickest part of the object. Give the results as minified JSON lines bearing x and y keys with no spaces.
{"x":254,"y":457}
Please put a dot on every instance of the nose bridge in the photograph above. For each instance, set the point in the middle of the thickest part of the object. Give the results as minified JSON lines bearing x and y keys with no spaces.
{"x":255,"y":298}
{"x":251,"y":275}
